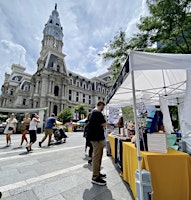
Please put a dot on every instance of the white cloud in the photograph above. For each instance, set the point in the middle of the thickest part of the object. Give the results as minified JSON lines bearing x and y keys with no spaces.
{"x":10,"y":53}
{"x":87,"y":27}
{"x":141,"y":10}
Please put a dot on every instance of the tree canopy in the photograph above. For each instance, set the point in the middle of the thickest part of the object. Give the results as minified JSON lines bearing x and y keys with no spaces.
{"x":168,"y":25}
{"x":65,"y":115}
{"x":81,"y":110}
{"x":166,"y":29}
{"x":117,"y":51}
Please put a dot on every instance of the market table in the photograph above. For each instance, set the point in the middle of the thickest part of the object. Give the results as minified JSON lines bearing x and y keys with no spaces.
{"x":111,"y":139}
{"x":170,"y":173}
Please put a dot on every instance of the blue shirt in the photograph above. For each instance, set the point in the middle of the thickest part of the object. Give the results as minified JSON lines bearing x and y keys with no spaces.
{"x":50,"y":122}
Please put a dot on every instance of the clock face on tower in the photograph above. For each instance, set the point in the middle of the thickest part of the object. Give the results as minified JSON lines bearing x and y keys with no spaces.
{"x":56,"y":34}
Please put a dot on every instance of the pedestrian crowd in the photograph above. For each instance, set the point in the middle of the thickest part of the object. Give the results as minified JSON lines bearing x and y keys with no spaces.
{"x":29,"y":125}
{"x":93,"y":132}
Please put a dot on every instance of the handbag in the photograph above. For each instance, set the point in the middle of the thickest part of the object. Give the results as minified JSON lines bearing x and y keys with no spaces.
{"x":10,"y":128}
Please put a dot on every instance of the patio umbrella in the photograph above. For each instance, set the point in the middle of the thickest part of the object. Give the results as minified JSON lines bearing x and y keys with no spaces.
{"x":58,"y":123}
{"x":82,"y":121}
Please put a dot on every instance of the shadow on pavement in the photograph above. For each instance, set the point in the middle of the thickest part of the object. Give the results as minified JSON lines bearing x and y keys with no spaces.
{"x":87,"y":166}
{"x":125,"y":183}
{"x":92,"y":193}
{"x":4,"y":147}
{"x":25,"y":153}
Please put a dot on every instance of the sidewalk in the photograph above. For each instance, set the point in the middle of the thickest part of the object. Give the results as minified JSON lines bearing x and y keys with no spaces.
{"x":70,"y":182}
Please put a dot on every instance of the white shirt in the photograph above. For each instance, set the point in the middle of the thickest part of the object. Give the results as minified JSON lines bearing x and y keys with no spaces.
{"x":11,"y":122}
{"x":33,"y":125}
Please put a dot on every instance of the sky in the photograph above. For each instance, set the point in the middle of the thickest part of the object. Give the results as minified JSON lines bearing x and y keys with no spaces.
{"x":88,"y":26}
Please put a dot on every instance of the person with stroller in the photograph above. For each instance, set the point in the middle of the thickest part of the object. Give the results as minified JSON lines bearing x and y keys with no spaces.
{"x":50,"y":123}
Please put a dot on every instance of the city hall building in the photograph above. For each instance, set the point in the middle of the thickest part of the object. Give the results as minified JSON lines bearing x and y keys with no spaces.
{"x":52,"y":85}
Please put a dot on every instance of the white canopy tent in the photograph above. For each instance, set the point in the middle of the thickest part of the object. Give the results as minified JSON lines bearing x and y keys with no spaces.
{"x":150,"y":76}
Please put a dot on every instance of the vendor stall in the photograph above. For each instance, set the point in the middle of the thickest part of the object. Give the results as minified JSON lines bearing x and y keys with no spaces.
{"x":170,"y":173}
{"x":146,"y":77}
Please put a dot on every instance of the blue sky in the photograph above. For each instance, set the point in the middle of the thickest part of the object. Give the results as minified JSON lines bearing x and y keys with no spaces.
{"x":88,"y":25}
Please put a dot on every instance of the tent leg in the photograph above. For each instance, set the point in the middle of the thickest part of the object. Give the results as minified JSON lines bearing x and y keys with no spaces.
{"x":139,"y":158}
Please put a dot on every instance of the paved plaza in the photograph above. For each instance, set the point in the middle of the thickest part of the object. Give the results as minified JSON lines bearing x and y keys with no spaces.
{"x":58,"y":172}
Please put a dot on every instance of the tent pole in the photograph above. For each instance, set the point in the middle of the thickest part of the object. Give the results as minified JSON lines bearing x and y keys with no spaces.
{"x":139,"y":158}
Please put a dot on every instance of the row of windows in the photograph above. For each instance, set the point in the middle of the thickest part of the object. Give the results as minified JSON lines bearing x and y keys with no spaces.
{"x":76,"y":96}
{"x":89,"y":87}
{"x":84,"y":85}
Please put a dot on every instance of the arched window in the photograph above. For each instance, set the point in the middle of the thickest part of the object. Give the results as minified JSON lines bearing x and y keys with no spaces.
{"x":55,"y":109}
{"x":56,"y":90}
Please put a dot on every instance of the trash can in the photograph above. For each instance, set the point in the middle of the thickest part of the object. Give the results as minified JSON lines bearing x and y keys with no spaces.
{"x":146,"y":183}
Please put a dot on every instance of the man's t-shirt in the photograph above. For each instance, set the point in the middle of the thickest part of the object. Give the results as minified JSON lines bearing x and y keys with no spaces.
{"x":95,"y":130}
{"x":50,"y":122}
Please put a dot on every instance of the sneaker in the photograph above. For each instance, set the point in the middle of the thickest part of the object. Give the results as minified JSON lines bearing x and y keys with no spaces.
{"x":102,"y":175}
{"x":90,"y":162}
{"x":27,"y":148}
{"x":86,"y":154}
{"x":99,"y":181}
{"x":39,"y":144}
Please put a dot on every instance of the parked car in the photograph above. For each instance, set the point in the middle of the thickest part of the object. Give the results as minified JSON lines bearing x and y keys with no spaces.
{"x":2,"y":127}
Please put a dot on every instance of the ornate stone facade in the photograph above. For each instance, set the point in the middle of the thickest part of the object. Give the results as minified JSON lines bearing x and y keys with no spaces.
{"x":52,"y":85}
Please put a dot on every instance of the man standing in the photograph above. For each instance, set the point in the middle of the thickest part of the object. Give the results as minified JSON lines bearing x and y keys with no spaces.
{"x":50,"y":122}
{"x":96,"y":136}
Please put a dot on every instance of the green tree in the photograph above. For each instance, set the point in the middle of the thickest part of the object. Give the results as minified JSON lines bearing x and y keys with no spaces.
{"x":81,"y":110}
{"x":168,"y":24}
{"x":128,"y":114}
{"x":117,"y":51}
{"x":65,"y":115}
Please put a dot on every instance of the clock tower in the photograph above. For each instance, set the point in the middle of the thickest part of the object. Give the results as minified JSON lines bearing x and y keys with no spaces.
{"x":52,"y":43}
{"x":51,"y":78}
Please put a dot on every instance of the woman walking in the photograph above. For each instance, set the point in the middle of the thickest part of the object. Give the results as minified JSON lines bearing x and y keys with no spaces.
{"x":25,"y":128}
{"x":10,"y":128}
{"x":32,"y":130}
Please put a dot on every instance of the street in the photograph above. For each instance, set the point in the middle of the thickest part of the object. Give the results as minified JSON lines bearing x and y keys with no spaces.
{"x":58,"y":172}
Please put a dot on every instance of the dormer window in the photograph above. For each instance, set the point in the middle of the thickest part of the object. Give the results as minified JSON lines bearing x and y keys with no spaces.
{"x":51,"y":21}
{"x":11,"y":92}
{"x":58,"y":68}
{"x":57,"y":24}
